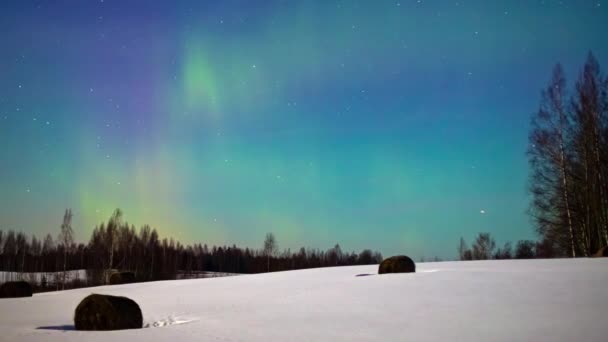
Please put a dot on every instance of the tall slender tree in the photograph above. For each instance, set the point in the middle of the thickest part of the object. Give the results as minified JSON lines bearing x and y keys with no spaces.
{"x":270,"y":248}
{"x":66,"y":238}
{"x":462,"y":248}
{"x":551,"y":207}
{"x":589,"y":145}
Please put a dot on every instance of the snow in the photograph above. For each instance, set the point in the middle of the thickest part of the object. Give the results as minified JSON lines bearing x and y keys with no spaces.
{"x":511,"y":300}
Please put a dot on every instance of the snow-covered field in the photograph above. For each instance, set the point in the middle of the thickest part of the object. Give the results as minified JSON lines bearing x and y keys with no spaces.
{"x":532,"y":300}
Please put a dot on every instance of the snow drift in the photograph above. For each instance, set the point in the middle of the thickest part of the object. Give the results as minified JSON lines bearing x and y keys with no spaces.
{"x":513,"y":300}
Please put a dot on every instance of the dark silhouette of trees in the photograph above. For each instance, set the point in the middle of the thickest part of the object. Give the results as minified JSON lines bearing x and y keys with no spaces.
{"x":483,"y":247}
{"x":66,"y":238}
{"x":462,"y":249}
{"x":548,"y":157}
{"x":117,"y":246}
{"x":524,"y":249}
{"x":544,"y":249}
{"x":504,"y":252}
{"x":568,"y":157}
{"x":270,"y":247}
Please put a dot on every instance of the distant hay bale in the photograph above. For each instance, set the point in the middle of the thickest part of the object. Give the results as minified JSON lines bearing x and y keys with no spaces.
{"x":15,"y":289}
{"x":603,"y":252}
{"x":397,"y":264}
{"x":103,"y":312}
{"x":122,"y":278}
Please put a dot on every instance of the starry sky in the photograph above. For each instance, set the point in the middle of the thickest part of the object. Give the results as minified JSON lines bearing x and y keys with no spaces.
{"x":398,"y":126}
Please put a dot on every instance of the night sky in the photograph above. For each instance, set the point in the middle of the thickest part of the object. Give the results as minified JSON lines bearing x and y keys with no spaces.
{"x":398,"y":126}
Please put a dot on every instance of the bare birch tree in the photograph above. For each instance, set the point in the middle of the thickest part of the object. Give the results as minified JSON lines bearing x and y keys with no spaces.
{"x":568,"y":157}
{"x":66,"y":239}
{"x":270,"y":247}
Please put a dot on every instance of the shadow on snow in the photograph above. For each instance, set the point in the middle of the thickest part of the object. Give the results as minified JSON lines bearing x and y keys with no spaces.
{"x":67,"y":327}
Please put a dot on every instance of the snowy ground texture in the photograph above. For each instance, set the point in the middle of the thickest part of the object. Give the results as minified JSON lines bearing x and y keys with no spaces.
{"x":535,"y":300}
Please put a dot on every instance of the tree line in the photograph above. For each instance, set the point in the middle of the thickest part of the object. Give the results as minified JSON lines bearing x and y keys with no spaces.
{"x":568,"y":158}
{"x":117,"y":245}
{"x":484,"y":248}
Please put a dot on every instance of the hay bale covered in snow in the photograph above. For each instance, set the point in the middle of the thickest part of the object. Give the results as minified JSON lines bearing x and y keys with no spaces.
{"x":397,"y":264}
{"x":603,"y":252}
{"x":102,"y":312}
{"x":122,"y":278}
{"x":14,"y":289}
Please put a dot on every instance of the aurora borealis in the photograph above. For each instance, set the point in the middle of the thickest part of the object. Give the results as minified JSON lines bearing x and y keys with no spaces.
{"x":390,"y":125}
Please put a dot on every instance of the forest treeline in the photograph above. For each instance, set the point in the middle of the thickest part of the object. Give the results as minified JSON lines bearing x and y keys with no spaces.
{"x":568,"y":158}
{"x":484,"y":248}
{"x":116,"y":245}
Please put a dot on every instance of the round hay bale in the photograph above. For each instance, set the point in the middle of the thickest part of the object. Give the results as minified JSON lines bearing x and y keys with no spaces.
{"x":103,"y":312}
{"x":122,"y":278}
{"x":397,"y":264}
{"x":15,"y":289}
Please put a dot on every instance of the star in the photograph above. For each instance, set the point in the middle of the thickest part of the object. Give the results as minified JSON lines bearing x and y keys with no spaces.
{"x":20,"y":86}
